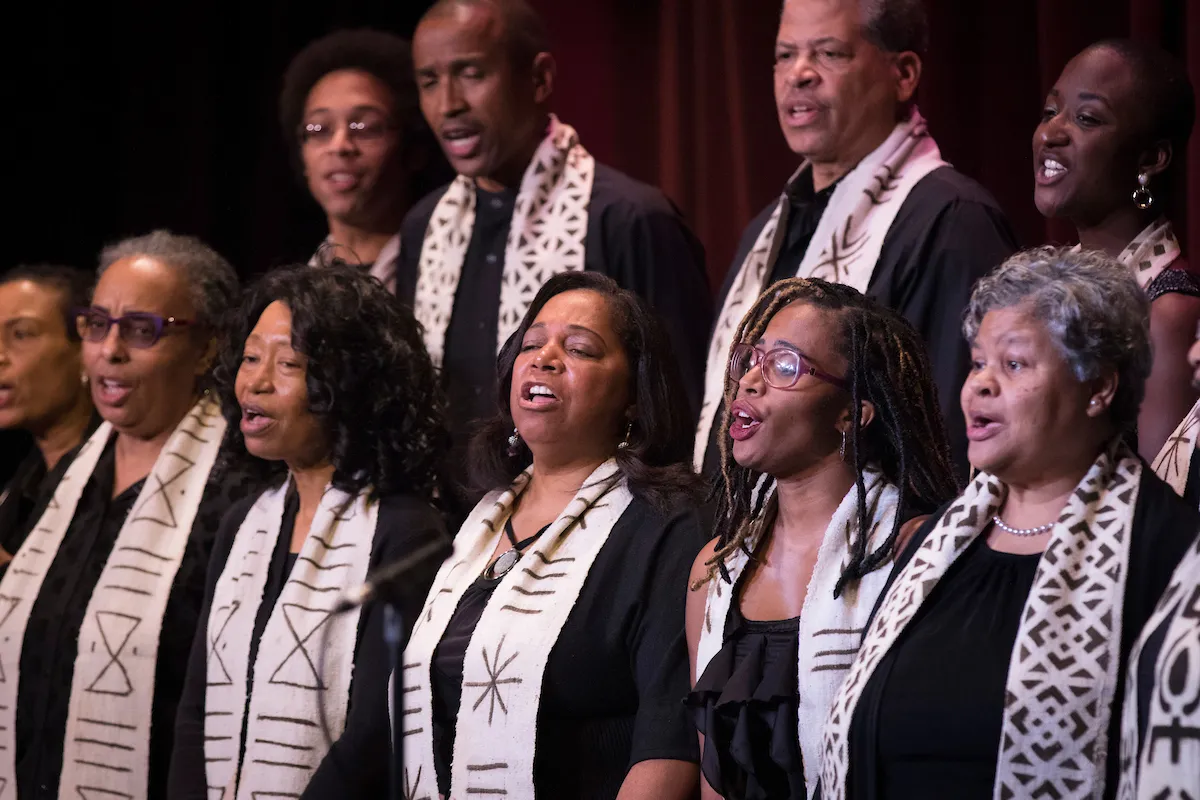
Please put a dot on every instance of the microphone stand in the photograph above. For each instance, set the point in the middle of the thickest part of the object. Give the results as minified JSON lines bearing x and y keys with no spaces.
{"x":393,"y":633}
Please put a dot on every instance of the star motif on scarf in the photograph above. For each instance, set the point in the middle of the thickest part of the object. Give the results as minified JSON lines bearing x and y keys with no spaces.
{"x":491,"y":687}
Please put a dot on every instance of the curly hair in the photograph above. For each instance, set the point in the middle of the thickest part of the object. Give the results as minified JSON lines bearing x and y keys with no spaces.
{"x":1092,"y":307}
{"x":73,"y":285}
{"x":386,"y":57}
{"x":890,"y":369}
{"x":370,"y":381}
{"x":655,"y":463}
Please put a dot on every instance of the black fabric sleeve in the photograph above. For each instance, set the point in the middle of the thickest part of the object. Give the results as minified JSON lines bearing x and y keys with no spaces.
{"x":656,"y":256}
{"x":187,"y":779}
{"x":357,"y":764}
{"x":662,"y":728}
{"x":960,"y":245}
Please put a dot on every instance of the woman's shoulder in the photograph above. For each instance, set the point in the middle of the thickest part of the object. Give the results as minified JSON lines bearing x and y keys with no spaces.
{"x":646,"y":527}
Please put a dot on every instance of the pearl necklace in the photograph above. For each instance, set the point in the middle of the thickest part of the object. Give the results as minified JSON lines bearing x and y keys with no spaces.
{"x":1021,"y":531}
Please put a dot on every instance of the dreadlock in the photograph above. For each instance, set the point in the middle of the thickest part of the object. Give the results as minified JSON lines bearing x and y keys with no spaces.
{"x":906,"y":440}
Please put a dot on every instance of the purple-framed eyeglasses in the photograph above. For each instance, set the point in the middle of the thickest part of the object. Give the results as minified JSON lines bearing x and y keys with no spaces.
{"x":139,"y":329}
{"x":781,"y":368}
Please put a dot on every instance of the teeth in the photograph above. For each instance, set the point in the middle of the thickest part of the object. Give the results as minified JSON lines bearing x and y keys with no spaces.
{"x":743,"y":415}
{"x":1050,"y":167}
{"x":535,"y":391}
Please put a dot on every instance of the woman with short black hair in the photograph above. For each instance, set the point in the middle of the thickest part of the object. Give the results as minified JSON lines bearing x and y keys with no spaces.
{"x":333,"y":401}
{"x":550,"y":660}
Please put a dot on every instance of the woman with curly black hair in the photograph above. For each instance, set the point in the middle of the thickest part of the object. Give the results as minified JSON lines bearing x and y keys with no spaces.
{"x":355,"y":134}
{"x":550,"y":660}
{"x":329,"y":390}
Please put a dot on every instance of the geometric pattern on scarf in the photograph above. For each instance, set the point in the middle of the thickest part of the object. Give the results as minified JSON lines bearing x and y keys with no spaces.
{"x":505,"y":661}
{"x":106,"y":749}
{"x":546,"y":237}
{"x":1063,"y":672}
{"x":1168,"y":765}
{"x":830,"y":629}
{"x":844,"y":248}
{"x":283,"y":743}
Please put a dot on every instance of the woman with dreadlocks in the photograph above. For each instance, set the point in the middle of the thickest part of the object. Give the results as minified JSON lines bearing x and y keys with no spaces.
{"x":835,"y":446}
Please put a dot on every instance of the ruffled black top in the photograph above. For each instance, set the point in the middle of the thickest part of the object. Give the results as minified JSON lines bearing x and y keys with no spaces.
{"x":746,"y":705}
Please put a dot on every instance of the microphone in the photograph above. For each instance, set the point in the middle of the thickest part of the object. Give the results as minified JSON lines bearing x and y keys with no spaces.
{"x":395,"y":581}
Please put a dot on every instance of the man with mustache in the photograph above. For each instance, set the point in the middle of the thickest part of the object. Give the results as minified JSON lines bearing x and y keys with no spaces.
{"x":529,"y":202}
{"x":873,"y":205}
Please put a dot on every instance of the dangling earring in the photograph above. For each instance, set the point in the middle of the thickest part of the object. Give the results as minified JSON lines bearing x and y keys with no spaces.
{"x":628,"y":432}
{"x":842,"y":449}
{"x":514,"y":443}
{"x":1141,"y":195}
{"x":83,"y":379}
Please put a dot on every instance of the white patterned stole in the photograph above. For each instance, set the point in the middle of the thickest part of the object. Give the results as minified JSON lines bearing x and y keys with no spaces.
{"x":107,"y":746}
{"x":547,"y":236}
{"x":1065,"y":659}
{"x":383,"y":269}
{"x":830,"y":629}
{"x":284,"y":744}
{"x":1151,"y":251}
{"x":1165,"y":763}
{"x":844,"y":248}
{"x":1174,"y":462}
{"x":496,"y":730}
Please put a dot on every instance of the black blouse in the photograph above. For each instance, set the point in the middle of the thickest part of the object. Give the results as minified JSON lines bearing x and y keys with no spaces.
{"x":747,"y":704}
{"x":51,"y":639}
{"x":615,"y":680}
{"x":357,"y":763}
{"x":931,"y":713}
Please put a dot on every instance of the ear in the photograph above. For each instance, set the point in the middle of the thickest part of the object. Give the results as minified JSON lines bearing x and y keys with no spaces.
{"x":906,"y":67}
{"x":1104,"y":389}
{"x":544,"y":71}
{"x":865,"y":418}
{"x":1156,"y":159}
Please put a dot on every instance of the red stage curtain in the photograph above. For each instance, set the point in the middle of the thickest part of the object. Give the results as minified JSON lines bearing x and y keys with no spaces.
{"x":678,"y":93}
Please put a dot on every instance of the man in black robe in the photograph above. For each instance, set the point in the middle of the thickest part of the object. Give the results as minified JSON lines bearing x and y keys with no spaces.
{"x":846,"y":73}
{"x":529,"y":202}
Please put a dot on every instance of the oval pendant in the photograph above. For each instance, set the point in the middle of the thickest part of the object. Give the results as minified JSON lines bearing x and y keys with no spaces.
{"x":505,"y":562}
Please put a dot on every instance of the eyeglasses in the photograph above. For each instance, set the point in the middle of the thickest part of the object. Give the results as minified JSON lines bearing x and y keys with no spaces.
{"x":781,"y":368}
{"x":365,"y":129}
{"x":139,"y":329}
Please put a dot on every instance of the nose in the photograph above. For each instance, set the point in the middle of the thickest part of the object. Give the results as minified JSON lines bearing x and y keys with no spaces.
{"x":451,"y":98}
{"x":800,"y":73}
{"x":257,"y":377}
{"x":342,"y":141}
{"x":752,"y":383}
{"x":1053,"y":131}
{"x":112,"y":346}
{"x":548,"y":358}
{"x":980,"y":382}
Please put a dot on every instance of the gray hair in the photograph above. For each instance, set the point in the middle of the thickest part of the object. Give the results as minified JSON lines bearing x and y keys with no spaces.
{"x":210,"y":279}
{"x":1092,"y":307}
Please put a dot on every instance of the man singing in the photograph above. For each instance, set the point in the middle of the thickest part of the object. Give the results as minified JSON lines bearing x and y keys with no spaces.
{"x":873,"y":205}
{"x":529,"y":202}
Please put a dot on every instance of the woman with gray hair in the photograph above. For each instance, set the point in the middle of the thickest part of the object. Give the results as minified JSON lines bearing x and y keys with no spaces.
{"x":996,"y":656}
{"x":99,"y":604}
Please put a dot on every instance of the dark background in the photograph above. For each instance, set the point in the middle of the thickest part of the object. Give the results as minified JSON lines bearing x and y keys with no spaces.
{"x":155,"y":114}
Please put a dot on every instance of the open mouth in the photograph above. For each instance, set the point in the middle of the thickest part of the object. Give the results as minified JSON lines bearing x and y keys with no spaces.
{"x":801,"y":113}
{"x":111,"y":391}
{"x":343,"y":181}
{"x":1050,"y":170}
{"x":744,"y":422}
{"x":7,"y":394}
{"x":254,"y":421}
{"x":538,"y":395}
{"x":462,"y":142}
{"x":981,"y":427}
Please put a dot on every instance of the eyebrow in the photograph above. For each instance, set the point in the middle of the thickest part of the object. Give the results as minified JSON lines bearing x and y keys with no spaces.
{"x":1093,"y":96}
{"x":472,"y":60}
{"x":571,"y":328}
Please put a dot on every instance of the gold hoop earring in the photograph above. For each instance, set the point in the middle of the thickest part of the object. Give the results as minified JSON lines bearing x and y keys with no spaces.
{"x":1141,"y":195}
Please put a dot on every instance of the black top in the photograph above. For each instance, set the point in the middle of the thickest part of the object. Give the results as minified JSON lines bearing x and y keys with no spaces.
{"x":357,"y":764}
{"x":615,"y":679}
{"x":948,"y":233}
{"x":1173,"y":281}
{"x":635,"y":235}
{"x":24,"y":499}
{"x":925,"y":721}
{"x":52,"y":637}
{"x":746,"y":704}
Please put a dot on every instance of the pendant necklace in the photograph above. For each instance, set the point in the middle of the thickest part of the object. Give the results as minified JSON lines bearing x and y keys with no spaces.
{"x":503,"y":563}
